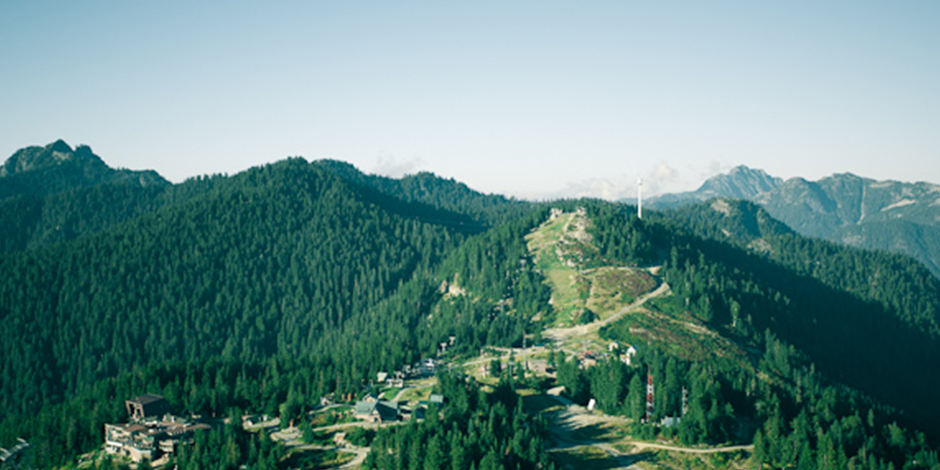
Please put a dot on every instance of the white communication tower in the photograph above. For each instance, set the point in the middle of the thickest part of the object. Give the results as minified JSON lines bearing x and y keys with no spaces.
{"x":639,"y":198}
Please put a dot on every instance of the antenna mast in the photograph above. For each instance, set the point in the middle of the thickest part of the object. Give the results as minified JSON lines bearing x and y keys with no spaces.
{"x":639,"y":198}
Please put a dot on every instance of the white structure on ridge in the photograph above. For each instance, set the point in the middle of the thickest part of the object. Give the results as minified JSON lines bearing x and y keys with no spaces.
{"x":639,"y":198}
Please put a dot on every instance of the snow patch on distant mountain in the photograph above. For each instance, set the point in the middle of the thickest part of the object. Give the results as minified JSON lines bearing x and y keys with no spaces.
{"x":901,"y":203}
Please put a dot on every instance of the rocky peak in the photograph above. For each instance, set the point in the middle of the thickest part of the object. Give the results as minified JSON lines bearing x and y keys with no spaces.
{"x":58,"y":167}
{"x":37,"y":158}
{"x":741,"y":182}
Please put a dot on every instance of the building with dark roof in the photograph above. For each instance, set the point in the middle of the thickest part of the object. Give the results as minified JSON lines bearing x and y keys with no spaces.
{"x":378,"y":411}
{"x":146,"y":406}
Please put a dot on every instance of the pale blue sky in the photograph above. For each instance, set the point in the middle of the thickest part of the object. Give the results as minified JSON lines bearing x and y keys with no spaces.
{"x":531,"y":99}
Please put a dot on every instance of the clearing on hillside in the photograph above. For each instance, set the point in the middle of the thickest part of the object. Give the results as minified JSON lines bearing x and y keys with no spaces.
{"x":584,"y":289}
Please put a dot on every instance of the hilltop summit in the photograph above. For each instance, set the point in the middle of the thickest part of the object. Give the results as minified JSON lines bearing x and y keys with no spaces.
{"x":36,"y":158}
{"x":741,"y":182}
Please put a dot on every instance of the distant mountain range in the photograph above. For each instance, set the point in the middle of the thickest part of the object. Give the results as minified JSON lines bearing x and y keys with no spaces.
{"x":845,"y":208}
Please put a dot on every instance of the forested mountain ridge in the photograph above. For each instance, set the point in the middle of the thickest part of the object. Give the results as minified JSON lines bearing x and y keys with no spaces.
{"x":845,"y":208}
{"x":265,"y":263}
{"x":841,"y":301}
{"x":54,"y":194}
{"x":279,"y":284}
{"x":265,"y":290}
{"x":446,"y":194}
{"x":817,"y":347}
{"x":30,"y":222}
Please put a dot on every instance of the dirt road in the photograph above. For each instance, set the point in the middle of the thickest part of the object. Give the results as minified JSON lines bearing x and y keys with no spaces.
{"x":559,"y":335}
{"x":361,"y":453}
{"x":574,"y":427}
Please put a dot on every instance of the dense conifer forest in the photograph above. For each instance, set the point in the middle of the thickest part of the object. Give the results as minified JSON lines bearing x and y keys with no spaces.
{"x":233,"y":273}
{"x":264,"y":291}
{"x":808,"y":330}
{"x":483,"y":431}
{"x":868,"y":319}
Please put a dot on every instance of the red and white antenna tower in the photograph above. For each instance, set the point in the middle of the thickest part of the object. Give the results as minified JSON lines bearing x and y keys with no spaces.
{"x":649,"y":396}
